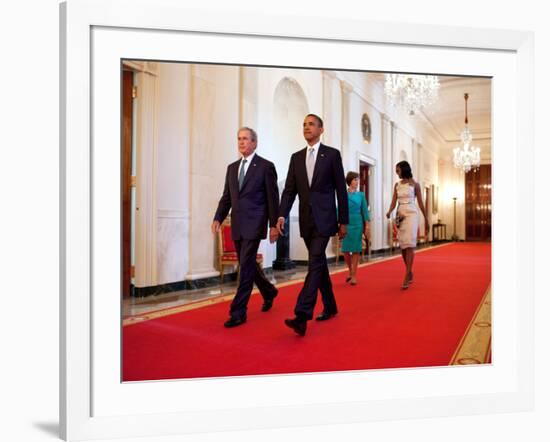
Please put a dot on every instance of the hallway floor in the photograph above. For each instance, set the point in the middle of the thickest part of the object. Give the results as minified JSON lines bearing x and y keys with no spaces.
{"x":442,"y":319}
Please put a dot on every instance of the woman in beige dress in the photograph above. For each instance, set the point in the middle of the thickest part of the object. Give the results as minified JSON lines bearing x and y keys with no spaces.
{"x":405,"y":192}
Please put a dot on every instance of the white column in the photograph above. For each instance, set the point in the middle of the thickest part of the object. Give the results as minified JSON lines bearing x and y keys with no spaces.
{"x":387,"y":171}
{"x":201,"y":242}
{"x":146,"y":175}
{"x":248,"y":99}
{"x":420,"y":171}
{"x":393,"y":137}
{"x":419,"y":177}
{"x":173,"y":214}
{"x":332,"y":110}
{"x":346,"y":89}
{"x":414,"y":159}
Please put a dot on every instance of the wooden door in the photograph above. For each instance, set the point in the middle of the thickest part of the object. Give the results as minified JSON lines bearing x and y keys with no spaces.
{"x":126,"y":181}
{"x":364,"y":179}
{"x":478,"y":204}
{"x":364,"y":174}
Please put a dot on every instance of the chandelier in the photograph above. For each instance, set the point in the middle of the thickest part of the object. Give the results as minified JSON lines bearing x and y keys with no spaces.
{"x":412,"y":92}
{"x":466,"y":157}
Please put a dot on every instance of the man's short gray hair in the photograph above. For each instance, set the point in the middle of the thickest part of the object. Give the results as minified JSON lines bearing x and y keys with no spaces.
{"x":253,"y":134}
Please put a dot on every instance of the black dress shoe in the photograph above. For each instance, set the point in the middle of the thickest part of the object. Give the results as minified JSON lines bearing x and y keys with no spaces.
{"x":268,"y":303}
{"x":325,"y":316}
{"x":297,"y":325}
{"x":266,"y":306}
{"x":234,"y":322}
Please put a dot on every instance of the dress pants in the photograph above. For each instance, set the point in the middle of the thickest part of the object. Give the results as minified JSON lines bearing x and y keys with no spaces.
{"x":250,"y":273}
{"x":317,"y":278}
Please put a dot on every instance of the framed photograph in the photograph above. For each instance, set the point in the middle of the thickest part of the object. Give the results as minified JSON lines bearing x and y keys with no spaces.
{"x":99,"y":40}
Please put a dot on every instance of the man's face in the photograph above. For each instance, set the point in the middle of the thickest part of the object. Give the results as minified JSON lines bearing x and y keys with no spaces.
{"x":245,"y":143}
{"x":312,"y":130}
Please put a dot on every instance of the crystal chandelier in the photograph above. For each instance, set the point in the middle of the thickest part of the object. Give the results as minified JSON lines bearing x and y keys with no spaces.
{"x":466,"y":157}
{"x":411,"y":92}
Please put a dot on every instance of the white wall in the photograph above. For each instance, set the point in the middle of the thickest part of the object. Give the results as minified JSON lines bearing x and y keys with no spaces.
{"x":428,"y":175}
{"x":201,"y":108}
{"x":357,"y":150}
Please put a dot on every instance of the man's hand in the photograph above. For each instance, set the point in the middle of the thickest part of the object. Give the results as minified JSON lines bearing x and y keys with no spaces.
{"x":388,"y":215}
{"x":342,"y":231}
{"x":215,"y":227}
{"x":273,"y":234}
{"x":280,"y":225}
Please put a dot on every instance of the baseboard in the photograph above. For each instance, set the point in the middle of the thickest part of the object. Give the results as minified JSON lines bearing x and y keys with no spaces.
{"x":178,"y":286}
{"x":232,"y":277}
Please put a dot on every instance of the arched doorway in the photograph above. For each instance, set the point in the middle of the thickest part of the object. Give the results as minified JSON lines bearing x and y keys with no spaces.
{"x":290,"y":106}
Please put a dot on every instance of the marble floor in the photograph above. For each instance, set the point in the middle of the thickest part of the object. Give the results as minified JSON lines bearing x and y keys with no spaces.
{"x":136,"y":306}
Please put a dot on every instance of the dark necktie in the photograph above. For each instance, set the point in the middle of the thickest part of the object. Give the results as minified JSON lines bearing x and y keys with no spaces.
{"x":241,"y":174}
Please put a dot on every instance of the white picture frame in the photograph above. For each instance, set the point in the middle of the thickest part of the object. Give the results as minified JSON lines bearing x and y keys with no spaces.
{"x":85,"y":412}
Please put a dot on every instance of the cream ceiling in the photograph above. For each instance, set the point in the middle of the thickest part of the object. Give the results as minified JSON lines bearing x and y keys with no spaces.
{"x":447,"y":115}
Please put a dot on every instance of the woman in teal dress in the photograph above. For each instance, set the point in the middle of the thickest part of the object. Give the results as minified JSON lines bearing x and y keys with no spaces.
{"x":359,"y":225}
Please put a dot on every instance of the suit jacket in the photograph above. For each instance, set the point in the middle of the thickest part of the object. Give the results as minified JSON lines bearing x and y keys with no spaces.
{"x":255,"y":204}
{"x":318,"y":200}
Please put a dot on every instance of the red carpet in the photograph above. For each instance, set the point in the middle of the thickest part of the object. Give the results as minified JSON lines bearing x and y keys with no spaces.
{"x":378,"y":325}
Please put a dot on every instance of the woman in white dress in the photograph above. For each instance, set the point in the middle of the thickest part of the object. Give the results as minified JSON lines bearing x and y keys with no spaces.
{"x":405,"y":192}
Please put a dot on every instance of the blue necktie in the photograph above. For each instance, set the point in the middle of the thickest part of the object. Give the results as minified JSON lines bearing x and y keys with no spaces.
{"x":241,"y":174}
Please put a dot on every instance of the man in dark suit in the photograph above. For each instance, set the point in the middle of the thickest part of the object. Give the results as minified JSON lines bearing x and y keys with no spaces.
{"x":315,"y":174}
{"x":252,"y":194}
